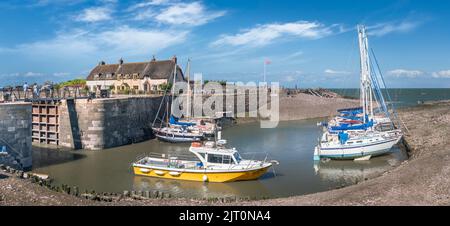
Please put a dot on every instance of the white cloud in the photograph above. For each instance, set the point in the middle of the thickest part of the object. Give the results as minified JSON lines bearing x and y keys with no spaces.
{"x":193,"y":14}
{"x":124,"y":41}
{"x":441,"y":74}
{"x":61,"y":74}
{"x":145,"y":14}
{"x":33,"y":74}
{"x":43,"y":3}
{"x":382,"y":29}
{"x":405,"y":73}
{"x":290,"y":78}
{"x":95,"y":14}
{"x":335,"y":72}
{"x":265,"y":34}
{"x":148,"y":3}
{"x":139,"y":41}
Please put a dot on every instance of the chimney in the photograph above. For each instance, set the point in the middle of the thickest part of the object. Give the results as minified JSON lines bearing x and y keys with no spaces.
{"x":101,"y":63}
{"x":174,"y":58}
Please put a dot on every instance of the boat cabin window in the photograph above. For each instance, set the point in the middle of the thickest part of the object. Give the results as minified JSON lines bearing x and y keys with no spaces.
{"x":222,"y":159}
{"x":203,"y":155}
{"x":212,"y":158}
{"x":237,"y":157}
{"x":227,"y":159}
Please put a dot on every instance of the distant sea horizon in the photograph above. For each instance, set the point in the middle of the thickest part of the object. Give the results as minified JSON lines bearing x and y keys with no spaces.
{"x":403,"y":97}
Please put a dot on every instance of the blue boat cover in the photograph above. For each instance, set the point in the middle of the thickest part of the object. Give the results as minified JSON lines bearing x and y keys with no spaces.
{"x":174,"y":121}
{"x":347,"y":126}
{"x":343,"y":137}
{"x":358,"y":109}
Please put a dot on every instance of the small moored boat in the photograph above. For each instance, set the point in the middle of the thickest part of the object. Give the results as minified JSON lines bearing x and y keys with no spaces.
{"x":177,"y":135}
{"x":214,"y":163}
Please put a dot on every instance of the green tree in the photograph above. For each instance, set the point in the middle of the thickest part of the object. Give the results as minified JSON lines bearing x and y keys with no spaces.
{"x":165,"y":86}
{"x":74,"y":82}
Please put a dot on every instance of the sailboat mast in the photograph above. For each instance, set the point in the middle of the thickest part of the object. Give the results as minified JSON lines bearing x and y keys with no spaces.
{"x":188,"y":72}
{"x":368,"y":74}
{"x":173,"y":84}
{"x":366,"y":94}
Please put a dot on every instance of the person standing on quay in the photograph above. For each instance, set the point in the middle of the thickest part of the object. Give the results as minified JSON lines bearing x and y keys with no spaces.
{"x":25,"y":89}
{"x":35,"y":91}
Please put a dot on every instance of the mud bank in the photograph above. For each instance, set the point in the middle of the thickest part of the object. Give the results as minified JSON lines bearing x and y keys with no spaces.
{"x":304,"y":106}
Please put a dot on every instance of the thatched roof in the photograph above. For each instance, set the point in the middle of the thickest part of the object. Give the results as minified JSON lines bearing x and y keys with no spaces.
{"x":162,"y":69}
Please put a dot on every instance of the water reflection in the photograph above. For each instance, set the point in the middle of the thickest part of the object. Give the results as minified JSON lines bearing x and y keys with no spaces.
{"x":199,"y":189}
{"x":50,"y":155}
{"x":351,"y":172}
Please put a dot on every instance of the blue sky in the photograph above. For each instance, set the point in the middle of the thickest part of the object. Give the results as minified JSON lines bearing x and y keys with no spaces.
{"x":309,"y":43}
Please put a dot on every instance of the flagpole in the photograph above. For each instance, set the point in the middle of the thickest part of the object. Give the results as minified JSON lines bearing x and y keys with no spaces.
{"x":264,"y":71}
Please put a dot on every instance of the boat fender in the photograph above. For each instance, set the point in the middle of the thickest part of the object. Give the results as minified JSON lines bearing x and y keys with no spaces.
{"x":159,"y":172}
{"x":205,"y":178}
{"x":174,"y":173}
{"x":143,"y":170}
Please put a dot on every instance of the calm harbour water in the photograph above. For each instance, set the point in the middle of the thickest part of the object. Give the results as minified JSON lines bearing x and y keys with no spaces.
{"x":291,"y":143}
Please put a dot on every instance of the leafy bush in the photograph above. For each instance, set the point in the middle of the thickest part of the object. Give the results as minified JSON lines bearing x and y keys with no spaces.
{"x":165,"y":86}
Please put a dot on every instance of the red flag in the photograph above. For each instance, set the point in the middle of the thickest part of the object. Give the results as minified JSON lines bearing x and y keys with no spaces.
{"x":267,"y":62}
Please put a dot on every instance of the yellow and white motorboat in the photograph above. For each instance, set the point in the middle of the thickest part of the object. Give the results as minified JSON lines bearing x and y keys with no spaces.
{"x":215,"y":163}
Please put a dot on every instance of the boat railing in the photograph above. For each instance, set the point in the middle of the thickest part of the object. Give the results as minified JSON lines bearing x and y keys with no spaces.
{"x":260,"y":156}
{"x":170,"y":161}
{"x":255,"y":157}
{"x":165,"y":156}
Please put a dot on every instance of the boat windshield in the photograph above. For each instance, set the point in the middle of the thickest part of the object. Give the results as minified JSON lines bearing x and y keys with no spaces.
{"x":237,"y":157}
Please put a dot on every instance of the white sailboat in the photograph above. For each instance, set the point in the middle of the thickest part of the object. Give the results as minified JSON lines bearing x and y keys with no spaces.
{"x":200,"y":125}
{"x":360,"y":135}
{"x":179,"y":133}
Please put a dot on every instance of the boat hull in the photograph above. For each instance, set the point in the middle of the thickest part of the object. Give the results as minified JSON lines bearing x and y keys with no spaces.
{"x":354,"y":152}
{"x":200,"y":175}
{"x":177,"y":139}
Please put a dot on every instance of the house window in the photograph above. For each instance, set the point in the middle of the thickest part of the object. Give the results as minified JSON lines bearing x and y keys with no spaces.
{"x":136,"y":87}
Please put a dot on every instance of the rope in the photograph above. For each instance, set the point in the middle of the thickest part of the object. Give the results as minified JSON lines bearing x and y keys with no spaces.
{"x":159,"y":109}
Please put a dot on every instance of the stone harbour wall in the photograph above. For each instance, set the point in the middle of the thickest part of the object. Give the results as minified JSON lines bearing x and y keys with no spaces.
{"x":15,"y":134}
{"x":104,"y":123}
